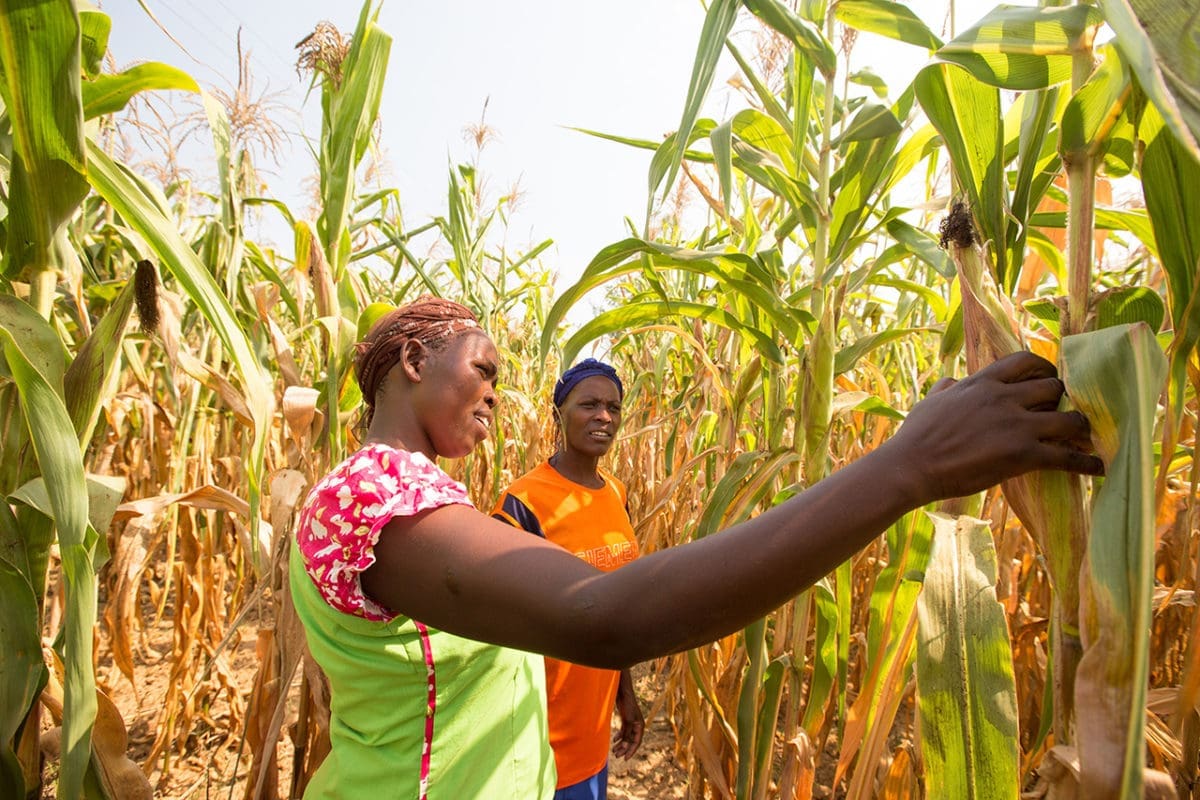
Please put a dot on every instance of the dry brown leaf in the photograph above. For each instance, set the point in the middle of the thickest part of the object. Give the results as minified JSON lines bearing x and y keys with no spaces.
{"x":299,"y":411}
{"x":799,"y":769}
{"x":210,"y":497}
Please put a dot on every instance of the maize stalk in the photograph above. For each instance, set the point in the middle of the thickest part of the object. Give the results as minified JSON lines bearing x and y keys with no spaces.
{"x":1049,"y":504}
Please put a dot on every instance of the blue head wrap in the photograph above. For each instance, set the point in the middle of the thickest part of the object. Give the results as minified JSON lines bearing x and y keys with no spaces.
{"x":585,"y":369}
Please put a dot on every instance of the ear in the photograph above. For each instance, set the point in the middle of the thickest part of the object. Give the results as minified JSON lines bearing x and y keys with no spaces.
{"x":413,"y":357}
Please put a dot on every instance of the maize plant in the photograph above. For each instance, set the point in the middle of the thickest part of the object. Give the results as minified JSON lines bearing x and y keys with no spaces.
{"x":1048,"y":652}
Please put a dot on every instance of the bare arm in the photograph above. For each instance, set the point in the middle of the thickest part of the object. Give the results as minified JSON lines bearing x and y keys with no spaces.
{"x":463,"y":572}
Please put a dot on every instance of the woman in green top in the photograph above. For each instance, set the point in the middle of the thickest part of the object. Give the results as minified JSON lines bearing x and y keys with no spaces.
{"x":423,"y":610}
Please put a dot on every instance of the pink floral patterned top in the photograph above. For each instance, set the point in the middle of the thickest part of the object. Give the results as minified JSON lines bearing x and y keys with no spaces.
{"x":347,"y":509}
{"x":413,"y":709}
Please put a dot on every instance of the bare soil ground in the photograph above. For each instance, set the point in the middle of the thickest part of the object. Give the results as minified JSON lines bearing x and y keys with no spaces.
{"x":215,"y":764}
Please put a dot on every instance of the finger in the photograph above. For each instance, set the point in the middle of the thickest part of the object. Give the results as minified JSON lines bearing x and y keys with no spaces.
{"x":1039,"y":394}
{"x":1065,"y":426}
{"x":1019,"y":366}
{"x":1060,"y":456}
{"x":942,"y":385}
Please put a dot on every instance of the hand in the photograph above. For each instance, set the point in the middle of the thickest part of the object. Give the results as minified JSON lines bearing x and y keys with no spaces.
{"x":1002,"y":421}
{"x":627,"y":740}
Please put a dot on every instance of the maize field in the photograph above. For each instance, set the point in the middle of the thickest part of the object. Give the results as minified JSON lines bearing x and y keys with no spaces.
{"x":170,"y":388}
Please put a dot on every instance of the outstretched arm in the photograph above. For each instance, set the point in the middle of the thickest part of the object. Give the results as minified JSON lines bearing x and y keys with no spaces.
{"x":460,"y":571}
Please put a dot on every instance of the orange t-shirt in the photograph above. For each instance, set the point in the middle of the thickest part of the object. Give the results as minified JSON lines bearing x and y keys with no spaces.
{"x":594,"y":525}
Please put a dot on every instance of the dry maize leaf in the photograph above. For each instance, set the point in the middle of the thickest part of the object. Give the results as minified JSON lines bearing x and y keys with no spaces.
{"x":799,"y":769}
{"x":261,"y":734}
{"x":210,"y":497}
{"x":219,"y":384}
{"x":120,"y":609}
{"x":120,"y":776}
{"x":1115,"y":376}
{"x":967,"y":696}
{"x":1058,"y":775}
{"x":266,"y":297}
{"x":901,"y":780}
{"x":299,"y":410}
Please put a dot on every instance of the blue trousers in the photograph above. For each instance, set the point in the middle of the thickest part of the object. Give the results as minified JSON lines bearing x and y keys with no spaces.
{"x":594,"y":788}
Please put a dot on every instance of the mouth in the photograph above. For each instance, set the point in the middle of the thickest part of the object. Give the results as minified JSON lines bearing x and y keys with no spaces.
{"x":601,"y":436}
{"x":485,"y":421}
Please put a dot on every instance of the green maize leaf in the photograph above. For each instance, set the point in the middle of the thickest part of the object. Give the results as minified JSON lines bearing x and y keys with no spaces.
{"x":21,"y":657}
{"x":721,"y":141}
{"x":804,"y":35}
{"x":20,"y":663}
{"x":764,"y":94}
{"x":1170,"y":176}
{"x":37,"y":338}
{"x":108,"y":94}
{"x":1137,"y":223}
{"x":886,"y":18}
{"x":1094,"y":110}
{"x":748,"y":705}
{"x":873,"y":121}
{"x":1038,"y":164}
{"x":59,"y":458}
{"x":768,"y":715}
{"x":98,"y":358}
{"x":651,"y":312}
{"x":966,"y":691}
{"x":1128,"y":305}
{"x":104,"y":493}
{"x":859,"y":180}
{"x":967,"y":115}
{"x":864,"y":77}
{"x":723,"y":495}
{"x":1158,"y":41}
{"x":1022,"y":47}
{"x":94,"y":28}
{"x":733,"y":270}
{"x":848,"y":356}
{"x":921,"y":244}
{"x":1115,"y":376}
{"x":370,"y":315}
{"x":350,"y":107}
{"x":931,"y":298}
{"x":954,"y":337}
{"x":825,"y":658}
{"x":648,"y":144}
{"x":816,"y":394}
{"x":718,"y":22}
{"x":39,"y":56}
{"x":909,"y":542}
{"x":764,"y":133}
{"x":1044,"y":310}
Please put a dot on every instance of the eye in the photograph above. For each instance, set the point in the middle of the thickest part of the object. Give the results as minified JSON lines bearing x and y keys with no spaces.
{"x":614,"y":408}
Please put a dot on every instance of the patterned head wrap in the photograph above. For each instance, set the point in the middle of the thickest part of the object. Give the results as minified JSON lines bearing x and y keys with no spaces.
{"x":585,"y":369}
{"x":430,"y":320}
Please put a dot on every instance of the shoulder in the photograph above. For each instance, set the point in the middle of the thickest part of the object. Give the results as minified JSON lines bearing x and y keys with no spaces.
{"x":345,"y":512}
{"x":614,"y":482}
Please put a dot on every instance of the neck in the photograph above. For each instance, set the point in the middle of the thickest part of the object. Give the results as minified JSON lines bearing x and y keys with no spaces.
{"x":577,"y":467}
{"x":394,"y":434}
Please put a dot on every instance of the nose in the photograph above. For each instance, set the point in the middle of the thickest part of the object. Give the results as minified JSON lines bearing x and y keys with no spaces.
{"x":490,"y":397}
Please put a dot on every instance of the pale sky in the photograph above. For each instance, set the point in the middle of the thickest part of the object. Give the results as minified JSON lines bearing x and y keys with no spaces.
{"x":621,"y":66}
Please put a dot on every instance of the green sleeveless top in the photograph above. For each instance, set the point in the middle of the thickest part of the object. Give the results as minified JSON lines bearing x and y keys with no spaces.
{"x":415,"y":712}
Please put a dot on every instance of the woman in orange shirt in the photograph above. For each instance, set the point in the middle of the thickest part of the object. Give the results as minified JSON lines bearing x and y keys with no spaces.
{"x":571,"y":501}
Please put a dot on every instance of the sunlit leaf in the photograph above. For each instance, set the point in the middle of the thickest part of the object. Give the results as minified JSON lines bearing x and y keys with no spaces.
{"x":965,"y":687}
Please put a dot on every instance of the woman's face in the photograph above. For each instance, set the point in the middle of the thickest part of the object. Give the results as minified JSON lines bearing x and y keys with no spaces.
{"x":591,"y":416}
{"x":458,"y":393}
